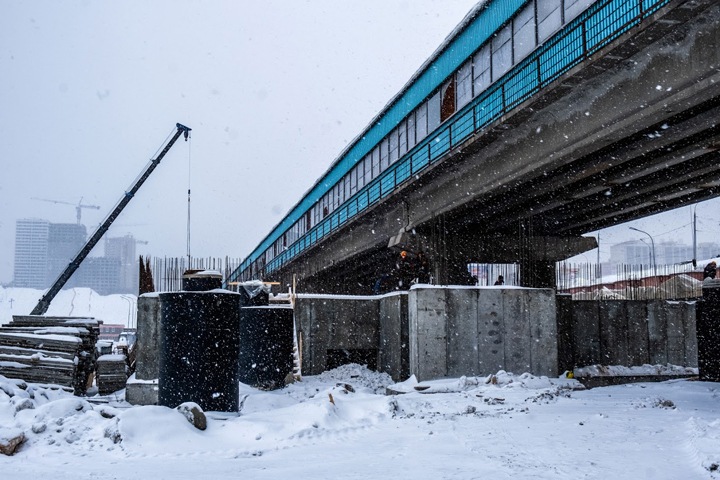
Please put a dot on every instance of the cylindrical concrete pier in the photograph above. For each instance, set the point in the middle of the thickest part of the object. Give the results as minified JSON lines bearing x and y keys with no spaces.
{"x":199,"y":349}
{"x":201,"y":280}
{"x":708,"y":331}
{"x":266,"y":346}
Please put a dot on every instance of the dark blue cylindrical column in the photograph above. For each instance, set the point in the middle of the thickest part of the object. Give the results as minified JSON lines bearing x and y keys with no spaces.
{"x":199,"y":349}
{"x":266,"y":346}
{"x":201,"y":280}
{"x":708,"y":331}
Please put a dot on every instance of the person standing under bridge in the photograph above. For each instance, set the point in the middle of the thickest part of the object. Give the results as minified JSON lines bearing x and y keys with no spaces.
{"x":404,"y":271}
{"x":710,"y":271}
{"x":422,"y":268}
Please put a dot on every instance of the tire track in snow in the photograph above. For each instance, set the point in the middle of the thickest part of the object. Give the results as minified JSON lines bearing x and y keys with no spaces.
{"x":701,"y":446}
{"x":517,"y":460}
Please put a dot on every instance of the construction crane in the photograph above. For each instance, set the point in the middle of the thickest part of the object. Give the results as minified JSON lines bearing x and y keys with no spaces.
{"x":78,"y":207}
{"x":44,"y":302}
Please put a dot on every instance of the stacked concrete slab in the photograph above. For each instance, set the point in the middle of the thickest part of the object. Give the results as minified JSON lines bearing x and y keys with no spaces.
{"x":111,"y":373}
{"x":53,"y":350}
{"x":478,"y":331}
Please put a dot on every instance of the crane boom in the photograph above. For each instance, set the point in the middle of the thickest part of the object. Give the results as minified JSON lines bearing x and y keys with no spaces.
{"x":44,"y":302}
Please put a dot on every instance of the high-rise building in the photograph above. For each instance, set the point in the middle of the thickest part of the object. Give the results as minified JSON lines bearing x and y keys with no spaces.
{"x":102,"y":274}
{"x":43,"y":250}
{"x":31,"y":253}
{"x":123,"y":249}
{"x":64,"y":242}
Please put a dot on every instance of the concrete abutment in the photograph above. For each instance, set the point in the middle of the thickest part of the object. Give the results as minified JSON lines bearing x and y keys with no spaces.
{"x":437,"y":332}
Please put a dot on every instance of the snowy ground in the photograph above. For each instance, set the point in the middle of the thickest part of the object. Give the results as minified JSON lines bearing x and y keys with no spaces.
{"x":503,"y":426}
{"x":506,"y":426}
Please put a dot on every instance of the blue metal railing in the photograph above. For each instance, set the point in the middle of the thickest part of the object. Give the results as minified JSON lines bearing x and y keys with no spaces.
{"x":600,"y":24}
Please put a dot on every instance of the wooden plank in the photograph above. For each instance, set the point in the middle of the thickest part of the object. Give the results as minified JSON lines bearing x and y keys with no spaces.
{"x":44,"y":338}
{"x":4,"y":349}
{"x":39,"y":361}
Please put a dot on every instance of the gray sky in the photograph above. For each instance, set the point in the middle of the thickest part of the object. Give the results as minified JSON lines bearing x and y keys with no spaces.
{"x":273,"y":90}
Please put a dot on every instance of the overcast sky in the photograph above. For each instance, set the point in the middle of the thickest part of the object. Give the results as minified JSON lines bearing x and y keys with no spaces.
{"x":273,"y":90}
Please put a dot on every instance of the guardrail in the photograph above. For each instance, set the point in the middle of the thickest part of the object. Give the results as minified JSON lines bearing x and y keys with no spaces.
{"x":599,"y":25}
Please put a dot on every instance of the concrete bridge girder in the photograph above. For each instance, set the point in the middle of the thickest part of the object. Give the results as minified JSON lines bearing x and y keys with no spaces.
{"x":563,"y":145}
{"x":501,"y":249}
{"x":627,"y":133}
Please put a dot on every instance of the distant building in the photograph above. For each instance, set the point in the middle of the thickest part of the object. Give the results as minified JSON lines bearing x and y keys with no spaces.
{"x":102,"y":274}
{"x":111,"y":331}
{"x":31,"y":253}
{"x":637,"y":252}
{"x":123,"y":249}
{"x":64,"y":242}
{"x":43,"y":250}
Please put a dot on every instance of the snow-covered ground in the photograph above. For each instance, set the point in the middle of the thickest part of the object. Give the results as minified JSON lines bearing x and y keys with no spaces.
{"x":341,"y":425}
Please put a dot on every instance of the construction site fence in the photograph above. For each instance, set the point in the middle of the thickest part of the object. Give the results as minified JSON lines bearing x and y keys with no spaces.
{"x":168,"y":271}
{"x":588,"y":281}
{"x":584,"y":281}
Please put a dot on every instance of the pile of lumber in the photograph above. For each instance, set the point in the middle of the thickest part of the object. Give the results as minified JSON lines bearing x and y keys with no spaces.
{"x":111,"y":373}
{"x":50,"y":350}
{"x":130,"y":353}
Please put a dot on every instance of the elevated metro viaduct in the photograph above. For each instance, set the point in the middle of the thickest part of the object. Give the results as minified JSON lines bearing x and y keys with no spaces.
{"x":630,"y":130}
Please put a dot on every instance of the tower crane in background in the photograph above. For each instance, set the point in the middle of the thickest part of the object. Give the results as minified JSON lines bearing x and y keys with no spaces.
{"x":78,"y":207}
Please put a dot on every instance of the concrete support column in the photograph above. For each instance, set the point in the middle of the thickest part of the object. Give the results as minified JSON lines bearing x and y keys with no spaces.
{"x":142,"y":387}
{"x":537,"y":268}
{"x":537,"y":274}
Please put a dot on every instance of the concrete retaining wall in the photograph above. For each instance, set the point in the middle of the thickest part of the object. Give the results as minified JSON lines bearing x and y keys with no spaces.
{"x":478,"y":331}
{"x":333,"y":328}
{"x":432,"y":332}
{"x":393,"y":356}
{"x":631,"y":333}
{"x":435,"y":332}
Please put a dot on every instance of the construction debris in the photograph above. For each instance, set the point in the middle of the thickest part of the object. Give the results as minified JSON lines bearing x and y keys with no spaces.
{"x":10,"y":440}
{"x":111,"y":373}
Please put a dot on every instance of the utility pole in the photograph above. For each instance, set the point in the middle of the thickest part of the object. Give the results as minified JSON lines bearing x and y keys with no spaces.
{"x":694,"y":237}
{"x":652,"y":243}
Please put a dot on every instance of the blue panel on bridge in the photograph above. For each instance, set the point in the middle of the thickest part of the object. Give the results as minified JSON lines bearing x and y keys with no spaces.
{"x":494,"y":15}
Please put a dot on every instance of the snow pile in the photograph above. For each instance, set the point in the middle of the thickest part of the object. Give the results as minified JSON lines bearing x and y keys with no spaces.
{"x":356,"y":375}
{"x":636,"y":371}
